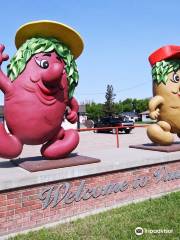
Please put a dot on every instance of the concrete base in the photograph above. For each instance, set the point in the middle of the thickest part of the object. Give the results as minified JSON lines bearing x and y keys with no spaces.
{"x":35,"y":164}
{"x":155,"y":147}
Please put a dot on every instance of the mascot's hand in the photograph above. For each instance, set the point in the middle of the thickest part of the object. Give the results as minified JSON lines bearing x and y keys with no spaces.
{"x":3,"y":56}
{"x":154,"y":114}
{"x":72,"y":116}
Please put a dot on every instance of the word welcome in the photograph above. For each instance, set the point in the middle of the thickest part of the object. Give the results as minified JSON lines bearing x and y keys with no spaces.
{"x":64,"y":193}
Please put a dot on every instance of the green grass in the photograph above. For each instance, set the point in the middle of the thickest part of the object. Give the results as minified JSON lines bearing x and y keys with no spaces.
{"x":120,"y":223}
{"x":148,"y":122}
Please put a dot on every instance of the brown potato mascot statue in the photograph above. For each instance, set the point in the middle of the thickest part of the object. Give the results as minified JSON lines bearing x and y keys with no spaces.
{"x":165,"y":105}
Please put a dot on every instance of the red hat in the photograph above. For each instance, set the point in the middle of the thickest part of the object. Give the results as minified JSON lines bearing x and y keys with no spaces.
{"x":169,"y":51}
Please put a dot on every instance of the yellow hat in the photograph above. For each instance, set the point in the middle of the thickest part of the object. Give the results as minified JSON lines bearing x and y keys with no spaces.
{"x":46,"y":28}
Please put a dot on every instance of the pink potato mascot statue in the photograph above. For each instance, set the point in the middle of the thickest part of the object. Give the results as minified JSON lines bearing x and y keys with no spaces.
{"x":38,"y":91}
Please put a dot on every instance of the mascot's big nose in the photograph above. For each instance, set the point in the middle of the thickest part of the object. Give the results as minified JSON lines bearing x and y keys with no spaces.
{"x":53,"y":73}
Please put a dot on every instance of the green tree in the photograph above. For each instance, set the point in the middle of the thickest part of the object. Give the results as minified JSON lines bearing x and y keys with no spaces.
{"x":137,"y":105}
{"x":128,"y":105}
{"x":118,"y":107}
{"x":141,"y":105}
{"x":98,"y":110}
{"x":94,"y":110}
{"x":109,"y":108}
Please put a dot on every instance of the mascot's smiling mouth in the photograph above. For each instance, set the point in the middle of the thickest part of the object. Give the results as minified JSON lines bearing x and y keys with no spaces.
{"x":176,"y":92}
{"x":46,"y":95}
{"x":49,"y":89}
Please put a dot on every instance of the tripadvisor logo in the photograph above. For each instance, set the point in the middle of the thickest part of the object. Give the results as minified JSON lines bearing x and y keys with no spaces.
{"x":139,"y":231}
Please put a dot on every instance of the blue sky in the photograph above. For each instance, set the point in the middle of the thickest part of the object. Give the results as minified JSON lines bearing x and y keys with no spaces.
{"x":118,"y":36}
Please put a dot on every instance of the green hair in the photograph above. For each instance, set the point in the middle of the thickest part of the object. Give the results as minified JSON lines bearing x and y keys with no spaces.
{"x":36,"y":45}
{"x":161,"y":70}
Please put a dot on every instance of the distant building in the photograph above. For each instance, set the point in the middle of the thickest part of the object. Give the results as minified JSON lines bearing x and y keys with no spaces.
{"x":1,"y":113}
{"x":132,"y":116}
{"x":82,"y":114}
{"x":81,"y":119}
{"x":145,"y":116}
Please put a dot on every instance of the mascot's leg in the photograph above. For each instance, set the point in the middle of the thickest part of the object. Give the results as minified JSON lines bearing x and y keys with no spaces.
{"x":160,"y":133}
{"x":63,"y":144}
{"x":10,"y":146}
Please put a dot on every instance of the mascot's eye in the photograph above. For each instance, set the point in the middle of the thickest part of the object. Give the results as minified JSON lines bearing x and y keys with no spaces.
{"x":176,"y":78}
{"x":42,"y":63}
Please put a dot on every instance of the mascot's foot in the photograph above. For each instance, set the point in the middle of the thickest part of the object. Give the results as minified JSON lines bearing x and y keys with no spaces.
{"x":10,"y":146}
{"x":60,"y":148}
{"x":160,"y":133}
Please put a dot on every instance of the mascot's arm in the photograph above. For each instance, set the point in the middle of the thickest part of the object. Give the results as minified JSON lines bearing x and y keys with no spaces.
{"x":72,"y":116}
{"x":5,"y":83}
{"x":154,"y":103}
